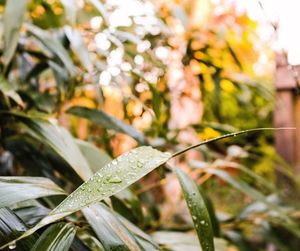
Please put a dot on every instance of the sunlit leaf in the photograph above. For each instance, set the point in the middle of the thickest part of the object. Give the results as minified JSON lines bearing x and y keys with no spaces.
{"x":198,"y":210}
{"x":57,"y":237}
{"x":108,"y":122}
{"x":54,"y":45}
{"x":12,"y":21}
{"x":78,"y":47}
{"x":70,"y":9}
{"x":16,"y":189}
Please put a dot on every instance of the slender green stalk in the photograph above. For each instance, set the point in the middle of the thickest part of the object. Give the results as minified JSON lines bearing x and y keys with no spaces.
{"x":228,"y":136}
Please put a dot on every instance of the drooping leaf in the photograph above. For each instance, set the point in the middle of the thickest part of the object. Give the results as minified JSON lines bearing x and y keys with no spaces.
{"x":12,"y":21}
{"x":78,"y":47}
{"x":54,"y":45}
{"x":60,"y":140}
{"x":108,"y":122}
{"x":11,"y":227}
{"x":198,"y":210}
{"x":95,"y":157}
{"x":57,"y":237}
{"x":110,"y":231}
{"x":16,"y":189}
{"x":109,"y":180}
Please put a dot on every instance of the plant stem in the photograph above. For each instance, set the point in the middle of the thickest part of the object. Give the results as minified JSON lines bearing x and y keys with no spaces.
{"x":228,"y":136}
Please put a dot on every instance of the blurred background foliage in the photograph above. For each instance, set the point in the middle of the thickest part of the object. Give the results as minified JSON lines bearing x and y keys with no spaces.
{"x":178,"y":72}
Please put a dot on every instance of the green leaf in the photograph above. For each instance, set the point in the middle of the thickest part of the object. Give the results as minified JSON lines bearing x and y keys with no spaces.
{"x":198,"y":210}
{"x":110,"y":231}
{"x":95,"y":157}
{"x":108,"y":122}
{"x":70,"y":9}
{"x":54,"y":45}
{"x":12,"y":21}
{"x":178,"y":241}
{"x":11,"y":227}
{"x":16,"y":189}
{"x":60,"y":140}
{"x":78,"y":47}
{"x":31,"y":214}
{"x":109,"y":180}
{"x":8,"y":90}
{"x":114,"y":177}
{"x":57,"y":237}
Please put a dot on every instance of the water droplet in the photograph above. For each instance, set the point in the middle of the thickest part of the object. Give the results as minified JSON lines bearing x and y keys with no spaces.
{"x":202,"y":222}
{"x":82,"y":188}
{"x":115,"y":179}
{"x":194,"y":217}
{"x":89,"y":190}
{"x":13,"y":245}
{"x":114,"y":162}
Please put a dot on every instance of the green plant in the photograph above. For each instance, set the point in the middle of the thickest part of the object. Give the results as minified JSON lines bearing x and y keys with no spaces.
{"x":44,"y":205}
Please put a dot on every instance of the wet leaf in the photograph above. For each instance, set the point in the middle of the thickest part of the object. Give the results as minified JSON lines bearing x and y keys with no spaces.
{"x":109,"y":180}
{"x":198,"y":210}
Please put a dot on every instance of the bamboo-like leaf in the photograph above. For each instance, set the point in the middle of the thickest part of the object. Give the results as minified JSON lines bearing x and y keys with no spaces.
{"x":8,"y":90}
{"x":54,"y":45}
{"x":60,"y":140}
{"x":11,"y":227}
{"x":95,"y":157}
{"x":31,"y":214}
{"x":70,"y":10}
{"x":108,"y":122}
{"x":16,"y":189}
{"x":109,"y":180}
{"x":110,"y":231}
{"x":57,"y":237}
{"x":12,"y":21}
{"x":78,"y":47}
{"x":198,"y":210}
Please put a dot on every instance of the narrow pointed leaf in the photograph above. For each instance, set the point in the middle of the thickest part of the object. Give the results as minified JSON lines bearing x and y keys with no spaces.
{"x":16,"y":189}
{"x":198,"y":210}
{"x":70,"y":10}
{"x":11,"y":227}
{"x":95,"y":157}
{"x":57,"y":237}
{"x":12,"y":21}
{"x":8,"y":90}
{"x":54,"y":45}
{"x":109,"y":180}
{"x":78,"y":47}
{"x":61,"y":141}
{"x":110,"y":231}
{"x":108,"y":122}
